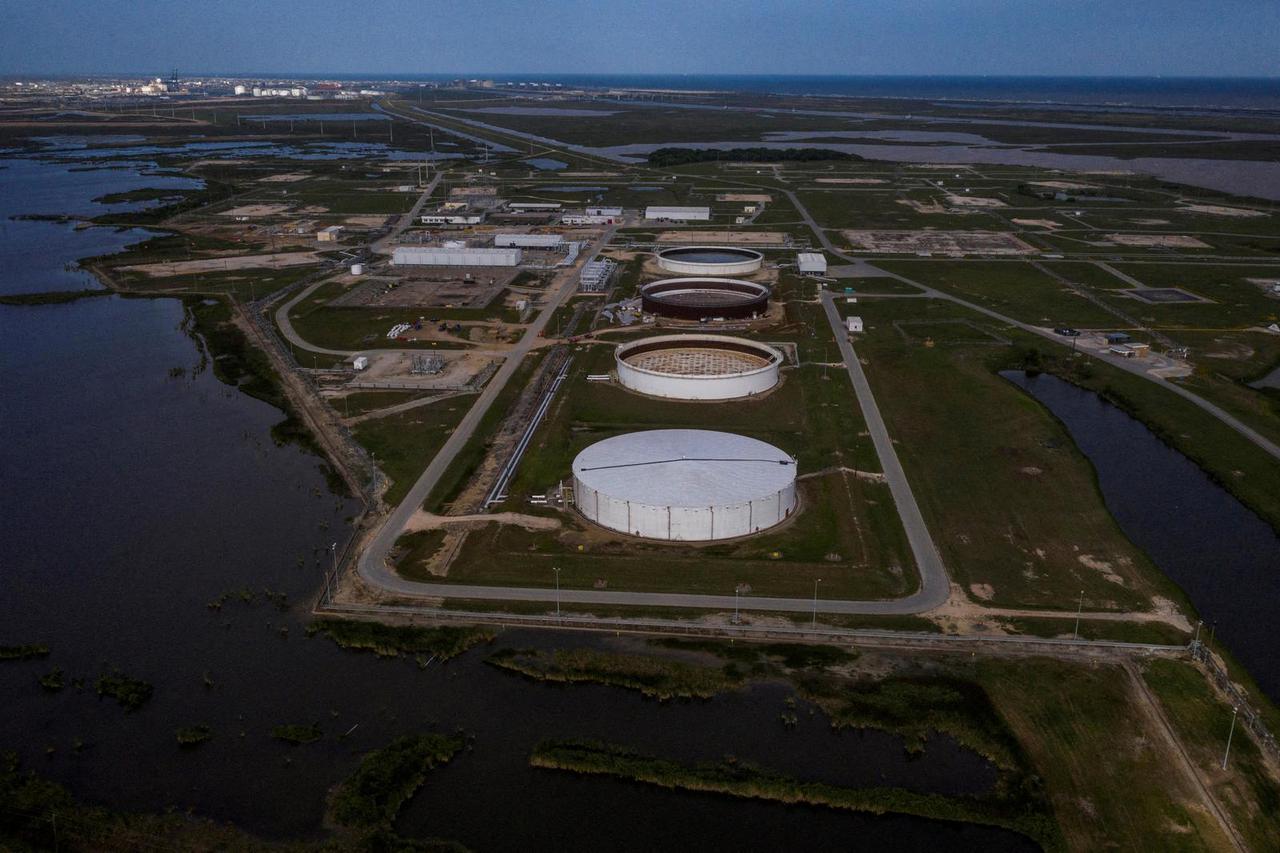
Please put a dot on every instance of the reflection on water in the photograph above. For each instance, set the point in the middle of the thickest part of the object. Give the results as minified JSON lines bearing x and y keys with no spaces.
{"x":1224,"y":556}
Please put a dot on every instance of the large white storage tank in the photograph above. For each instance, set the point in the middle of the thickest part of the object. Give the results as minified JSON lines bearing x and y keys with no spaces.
{"x":710,"y":260}
{"x":697,"y":367}
{"x":684,"y":484}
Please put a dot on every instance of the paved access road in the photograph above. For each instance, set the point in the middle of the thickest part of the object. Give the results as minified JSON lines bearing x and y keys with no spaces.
{"x":934,"y":587}
{"x":372,"y":564}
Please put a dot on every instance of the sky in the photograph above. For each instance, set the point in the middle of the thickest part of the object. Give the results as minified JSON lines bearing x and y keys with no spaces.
{"x":995,"y":37}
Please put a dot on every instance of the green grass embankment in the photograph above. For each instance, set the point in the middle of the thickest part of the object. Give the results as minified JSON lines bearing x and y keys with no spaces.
{"x":747,"y":781}
{"x":444,"y":641}
{"x":659,"y":678}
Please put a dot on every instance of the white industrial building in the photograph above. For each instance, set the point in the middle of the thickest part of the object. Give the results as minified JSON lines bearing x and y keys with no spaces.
{"x":610,"y":212}
{"x":660,"y":213}
{"x":586,"y":219}
{"x":332,"y":234}
{"x":529,"y":241}
{"x":595,"y":275}
{"x":684,"y":484}
{"x":853,"y":324}
{"x":432,"y":256}
{"x":697,"y":367}
{"x":452,"y":218}
{"x":812,"y":263}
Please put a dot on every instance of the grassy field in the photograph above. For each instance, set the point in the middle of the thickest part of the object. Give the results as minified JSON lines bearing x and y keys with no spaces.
{"x":848,"y":532}
{"x":1012,"y":504}
{"x":1201,"y":720}
{"x":1097,"y":758}
{"x":654,"y":676}
{"x":363,"y":402}
{"x":405,"y":444}
{"x":1234,"y":302}
{"x":1013,"y":288}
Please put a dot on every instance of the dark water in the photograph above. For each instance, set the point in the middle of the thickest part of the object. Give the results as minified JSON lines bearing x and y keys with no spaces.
{"x":1224,"y":556}
{"x":41,"y":256}
{"x":707,"y":256}
{"x":547,"y":164}
{"x":135,"y":494}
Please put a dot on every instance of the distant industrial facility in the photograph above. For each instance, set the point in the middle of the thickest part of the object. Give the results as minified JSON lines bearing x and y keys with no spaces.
{"x":710,"y":260}
{"x":684,"y":484}
{"x":450,"y":256}
{"x":697,"y":367}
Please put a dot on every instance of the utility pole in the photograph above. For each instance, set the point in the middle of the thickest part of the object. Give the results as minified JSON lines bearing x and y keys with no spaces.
{"x":815,"y":601}
{"x":1079,"y":607}
{"x":557,"y":571}
{"x":1235,"y":712}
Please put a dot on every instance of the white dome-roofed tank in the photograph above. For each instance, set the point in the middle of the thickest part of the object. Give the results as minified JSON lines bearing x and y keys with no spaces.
{"x":697,"y":367}
{"x":684,"y":484}
{"x":710,"y":260}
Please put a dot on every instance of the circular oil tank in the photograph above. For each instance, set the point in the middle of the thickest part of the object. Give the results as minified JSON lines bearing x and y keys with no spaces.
{"x":697,"y":298}
{"x":688,"y":485}
{"x":697,"y":367}
{"x":357,"y":269}
{"x":710,"y":260}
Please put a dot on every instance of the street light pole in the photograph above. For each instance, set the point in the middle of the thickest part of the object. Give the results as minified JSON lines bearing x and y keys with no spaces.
{"x":1235,"y":712}
{"x":557,"y":571}
{"x":1079,"y":608}
{"x":815,"y":601}
{"x":736,"y":619}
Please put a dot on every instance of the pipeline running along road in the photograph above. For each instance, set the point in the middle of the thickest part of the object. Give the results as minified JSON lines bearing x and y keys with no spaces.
{"x":934,"y":582}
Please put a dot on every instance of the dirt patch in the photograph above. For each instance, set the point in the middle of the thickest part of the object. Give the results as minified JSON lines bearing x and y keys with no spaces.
{"x":256,"y":210}
{"x":721,"y":237}
{"x":762,"y":198}
{"x":1219,"y":210}
{"x":231,"y":262}
{"x":1031,"y":471}
{"x":1037,"y":223}
{"x":850,"y":181}
{"x":423,"y":520}
{"x":984,"y":591}
{"x":922,"y":206}
{"x":1106,"y":568}
{"x":1158,"y":241}
{"x":974,"y":201}
{"x":285,"y":178}
{"x":954,"y":243}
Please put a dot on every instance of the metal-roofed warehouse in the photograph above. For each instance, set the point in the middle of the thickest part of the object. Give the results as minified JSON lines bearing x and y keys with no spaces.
{"x":684,"y":484}
{"x":666,"y":213}
{"x":431,"y":256}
